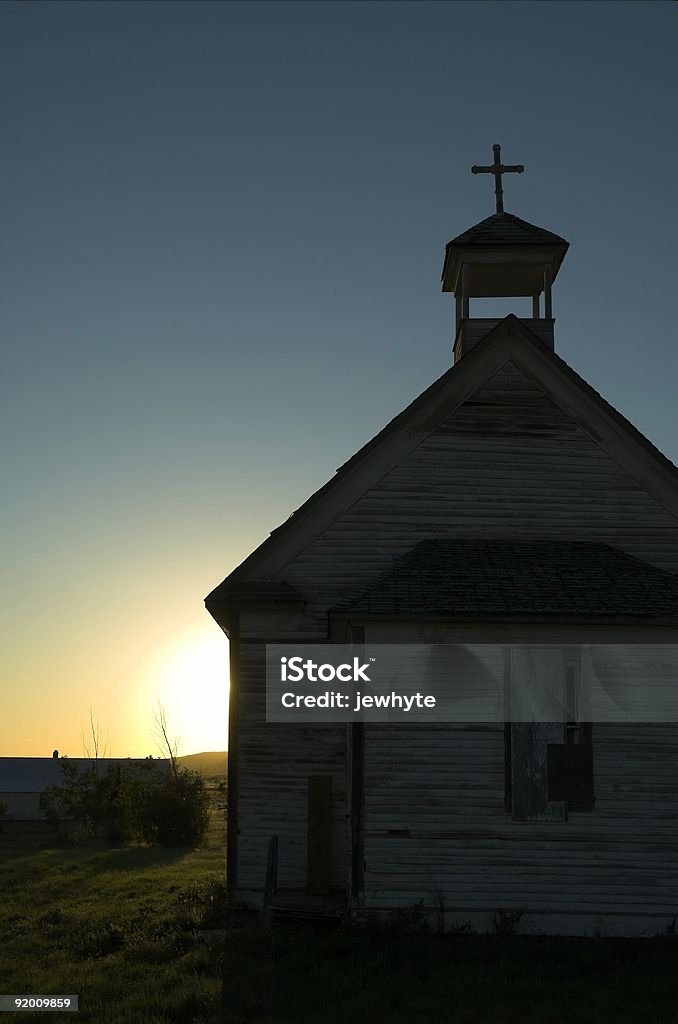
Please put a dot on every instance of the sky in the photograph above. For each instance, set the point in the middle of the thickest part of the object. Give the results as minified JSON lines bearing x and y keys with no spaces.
{"x":221,"y":236}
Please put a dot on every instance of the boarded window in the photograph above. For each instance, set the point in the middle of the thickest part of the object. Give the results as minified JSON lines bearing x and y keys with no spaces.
{"x":570,"y":775}
{"x":564,"y":754}
{"x":319,"y":834}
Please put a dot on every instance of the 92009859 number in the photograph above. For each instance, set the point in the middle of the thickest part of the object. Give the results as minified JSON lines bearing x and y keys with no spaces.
{"x":38,"y":1002}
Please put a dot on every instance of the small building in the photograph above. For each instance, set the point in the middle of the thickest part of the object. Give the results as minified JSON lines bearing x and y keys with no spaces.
{"x":24,"y":781}
{"x":509,"y":505}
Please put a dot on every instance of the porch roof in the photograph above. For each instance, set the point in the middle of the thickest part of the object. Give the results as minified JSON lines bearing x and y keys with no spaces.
{"x":442,"y":576}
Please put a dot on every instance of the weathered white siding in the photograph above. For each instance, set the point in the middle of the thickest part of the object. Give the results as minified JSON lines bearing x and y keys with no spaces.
{"x":615,"y":868}
{"x":275,"y":761}
{"x":508,"y":462}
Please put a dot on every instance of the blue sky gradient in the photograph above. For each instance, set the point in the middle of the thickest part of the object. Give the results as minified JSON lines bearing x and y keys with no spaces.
{"x":222,"y":236}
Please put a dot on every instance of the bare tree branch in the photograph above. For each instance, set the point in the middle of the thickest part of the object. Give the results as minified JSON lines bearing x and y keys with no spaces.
{"x":163,"y":741}
{"x":92,"y":746}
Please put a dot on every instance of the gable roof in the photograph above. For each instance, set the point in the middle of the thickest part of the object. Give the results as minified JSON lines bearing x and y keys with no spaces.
{"x":507,"y":229}
{"x":511,"y":340}
{"x":506,"y":578}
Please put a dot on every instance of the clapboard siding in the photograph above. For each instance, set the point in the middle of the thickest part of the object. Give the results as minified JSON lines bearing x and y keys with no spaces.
{"x":275,"y":761}
{"x":465,"y":851}
{"x":459,"y":770}
{"x":507,"y":462}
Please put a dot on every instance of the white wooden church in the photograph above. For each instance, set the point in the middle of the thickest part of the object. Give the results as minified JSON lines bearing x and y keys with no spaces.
{"x":509,"y":504}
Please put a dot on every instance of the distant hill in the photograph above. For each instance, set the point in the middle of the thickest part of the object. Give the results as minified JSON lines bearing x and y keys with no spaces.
{"x":209,"y":764}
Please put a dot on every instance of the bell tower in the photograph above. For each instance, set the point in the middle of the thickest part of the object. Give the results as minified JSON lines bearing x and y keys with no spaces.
{"x":499,"y":257}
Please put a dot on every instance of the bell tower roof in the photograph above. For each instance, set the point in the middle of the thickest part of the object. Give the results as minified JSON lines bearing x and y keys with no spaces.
{"x":506,"y":229}
{"x":510,"y":251}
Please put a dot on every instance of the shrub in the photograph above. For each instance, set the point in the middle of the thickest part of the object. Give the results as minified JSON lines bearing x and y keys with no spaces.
{"x":175,"y":812}
{"x":145,"y":801}
{"x":98,"y":801}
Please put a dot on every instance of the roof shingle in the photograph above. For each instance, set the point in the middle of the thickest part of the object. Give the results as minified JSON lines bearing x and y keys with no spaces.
{"x":506,"y":229}
{"x":508,"y":578}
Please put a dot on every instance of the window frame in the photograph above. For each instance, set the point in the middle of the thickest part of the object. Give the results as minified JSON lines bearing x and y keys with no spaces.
{"x":577,"y":729}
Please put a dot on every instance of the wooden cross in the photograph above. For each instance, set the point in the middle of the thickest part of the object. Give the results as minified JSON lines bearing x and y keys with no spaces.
{"x":498,"y":168}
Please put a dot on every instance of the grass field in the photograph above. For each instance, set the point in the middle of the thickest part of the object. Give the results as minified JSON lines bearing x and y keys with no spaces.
{"x":143,"y":936}
{"x":128,"y":930}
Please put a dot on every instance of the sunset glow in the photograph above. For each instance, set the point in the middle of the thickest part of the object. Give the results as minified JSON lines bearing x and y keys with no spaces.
{"x":189,"y":677}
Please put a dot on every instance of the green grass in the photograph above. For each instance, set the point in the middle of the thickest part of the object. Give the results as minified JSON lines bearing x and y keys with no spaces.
{"x":125,"y":929}
{"x":143,"y":937}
